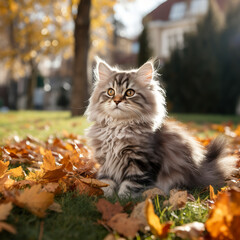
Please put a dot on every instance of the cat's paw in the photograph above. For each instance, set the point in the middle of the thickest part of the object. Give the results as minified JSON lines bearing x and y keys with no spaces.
{"x":127,"y":189}
{"x":109,"y":190}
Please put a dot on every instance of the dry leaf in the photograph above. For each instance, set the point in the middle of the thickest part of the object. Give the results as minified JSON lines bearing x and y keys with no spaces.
{"x":3,"y":167}
{"x":124,"y":225}
{"x":108,"y":209}
{"x":139,"y":213}
{"x":48,"y":161}
{"x":84,"y":188}
{"x":16,"y":172}
{"x":151,"y":193}
{"x":94,"y":182}
{"x":212,"y":194}
{"x":191,"y":231}
{"x":224,"y":218}
{"x":55,"y":174}
{"x":177,"y":200}
{"x":56,"y":207}
{"x":5,"y":210}
{"x":35,"y":200}
{"x":158,"y":229}
{"x":51,"y":187}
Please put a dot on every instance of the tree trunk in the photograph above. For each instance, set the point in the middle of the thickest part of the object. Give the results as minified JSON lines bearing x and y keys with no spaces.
{"x":80,"y":80}
{"x":32,"y":81}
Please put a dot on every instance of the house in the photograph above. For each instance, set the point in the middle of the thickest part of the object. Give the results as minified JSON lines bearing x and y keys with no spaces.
{"x":168,"y":23}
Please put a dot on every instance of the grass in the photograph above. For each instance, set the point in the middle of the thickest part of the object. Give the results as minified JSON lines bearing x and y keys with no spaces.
{"x":39,"y":124}
{"x":79,"y":217}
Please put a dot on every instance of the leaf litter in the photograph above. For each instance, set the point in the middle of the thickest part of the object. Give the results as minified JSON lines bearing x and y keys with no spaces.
{"x":32,"y":172}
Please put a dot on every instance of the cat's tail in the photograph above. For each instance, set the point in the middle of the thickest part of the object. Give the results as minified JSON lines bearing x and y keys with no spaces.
{"x":218,"y":164}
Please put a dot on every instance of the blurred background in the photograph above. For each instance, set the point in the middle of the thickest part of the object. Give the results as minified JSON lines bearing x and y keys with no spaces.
{"x":47,"y":50}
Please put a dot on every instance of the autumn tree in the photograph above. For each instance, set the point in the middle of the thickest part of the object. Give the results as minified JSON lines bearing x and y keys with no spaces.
{"x":34,"y":30}
{"x":93,"y":27}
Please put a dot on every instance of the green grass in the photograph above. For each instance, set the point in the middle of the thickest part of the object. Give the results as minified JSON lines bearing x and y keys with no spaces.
{"x":39,"y":124}
{"x":79,"y":217}
{"x":77,"y":221}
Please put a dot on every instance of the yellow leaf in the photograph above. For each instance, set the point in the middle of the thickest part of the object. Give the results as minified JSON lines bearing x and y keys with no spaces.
{"x":158,"y":229}
{"x":48,"y":161}
{"x":3,"y":167}
{"x":16,"y":172}
{"x":35,"y":200}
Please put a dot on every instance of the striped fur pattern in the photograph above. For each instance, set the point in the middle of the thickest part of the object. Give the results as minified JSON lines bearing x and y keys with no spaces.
{"x":135,"y":144}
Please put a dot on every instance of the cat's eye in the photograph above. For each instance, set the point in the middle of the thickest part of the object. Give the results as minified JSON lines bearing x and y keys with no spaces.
{"x":110,"y":92}
{"x":130,"y":92}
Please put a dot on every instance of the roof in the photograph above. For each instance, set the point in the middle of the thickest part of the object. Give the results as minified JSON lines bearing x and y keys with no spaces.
{"x":162,"y":12}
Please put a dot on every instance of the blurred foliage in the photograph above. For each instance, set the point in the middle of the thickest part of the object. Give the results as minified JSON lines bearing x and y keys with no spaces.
{"x":203,"y":76}
{"x":32,"y":30}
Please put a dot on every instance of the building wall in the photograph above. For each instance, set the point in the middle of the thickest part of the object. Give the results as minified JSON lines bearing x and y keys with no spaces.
{"x":165,"y":36}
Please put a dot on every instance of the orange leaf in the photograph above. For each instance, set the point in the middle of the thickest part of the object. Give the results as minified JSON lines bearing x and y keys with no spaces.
{"x":54,"y":175}
{"x":84,"y":188}
{"x":158,"y":229}
{"x":224,"y":218}
{"x":213,"y":196}
{"x":3,"y":167}
{"x":48,"y":161}
{"x":94,"y":182}
{"x":35,"y":200}
{"x":16,"y":172}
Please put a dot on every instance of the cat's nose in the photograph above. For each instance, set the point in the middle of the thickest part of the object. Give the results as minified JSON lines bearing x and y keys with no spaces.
{"x":117,"y":99}
{"x":117,"y":102}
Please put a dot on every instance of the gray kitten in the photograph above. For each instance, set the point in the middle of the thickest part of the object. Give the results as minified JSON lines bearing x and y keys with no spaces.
{"x":135,"y":145}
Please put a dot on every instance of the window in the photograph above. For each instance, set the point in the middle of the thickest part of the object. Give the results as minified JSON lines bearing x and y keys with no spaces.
{"x":178,"y":11}
{"x":199,"y":6}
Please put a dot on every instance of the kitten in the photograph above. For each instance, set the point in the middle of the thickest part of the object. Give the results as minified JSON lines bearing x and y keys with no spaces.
{"x":135,"y":145}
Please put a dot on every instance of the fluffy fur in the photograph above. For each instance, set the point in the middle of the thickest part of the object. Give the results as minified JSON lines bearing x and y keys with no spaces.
{"x":136,"y":147}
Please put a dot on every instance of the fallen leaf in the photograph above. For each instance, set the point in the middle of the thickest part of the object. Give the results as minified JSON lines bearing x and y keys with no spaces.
{"x":158,"y":229}
{"x":7,"y":227}
{"x":3,"y":167}
{"x":139,"y":213}
{"x":48,"y":161}
{"x":191,"y":231}
{"x":51,"y":187}
{"x":177,"y":200}
{"x":84,"y":188}
{"x":16,"y":172}
{"x":94,"y":182}
{"x":35,"y":200}
{"x":212,"y":194}
{"x":224,"y":218}
{"x":5,"y":210}
{"x":151,"y":193}
{"x":124,"y":225}
{"x":56,"y":207}
{"x":55,"y":174}
{"x":108,"y":209}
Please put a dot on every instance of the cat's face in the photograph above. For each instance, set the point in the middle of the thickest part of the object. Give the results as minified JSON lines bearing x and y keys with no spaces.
{"x":123,"y":95}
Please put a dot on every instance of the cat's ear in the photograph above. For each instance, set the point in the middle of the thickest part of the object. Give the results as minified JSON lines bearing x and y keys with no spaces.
{"x":145,"y":72}
{"x":103,"y":70}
